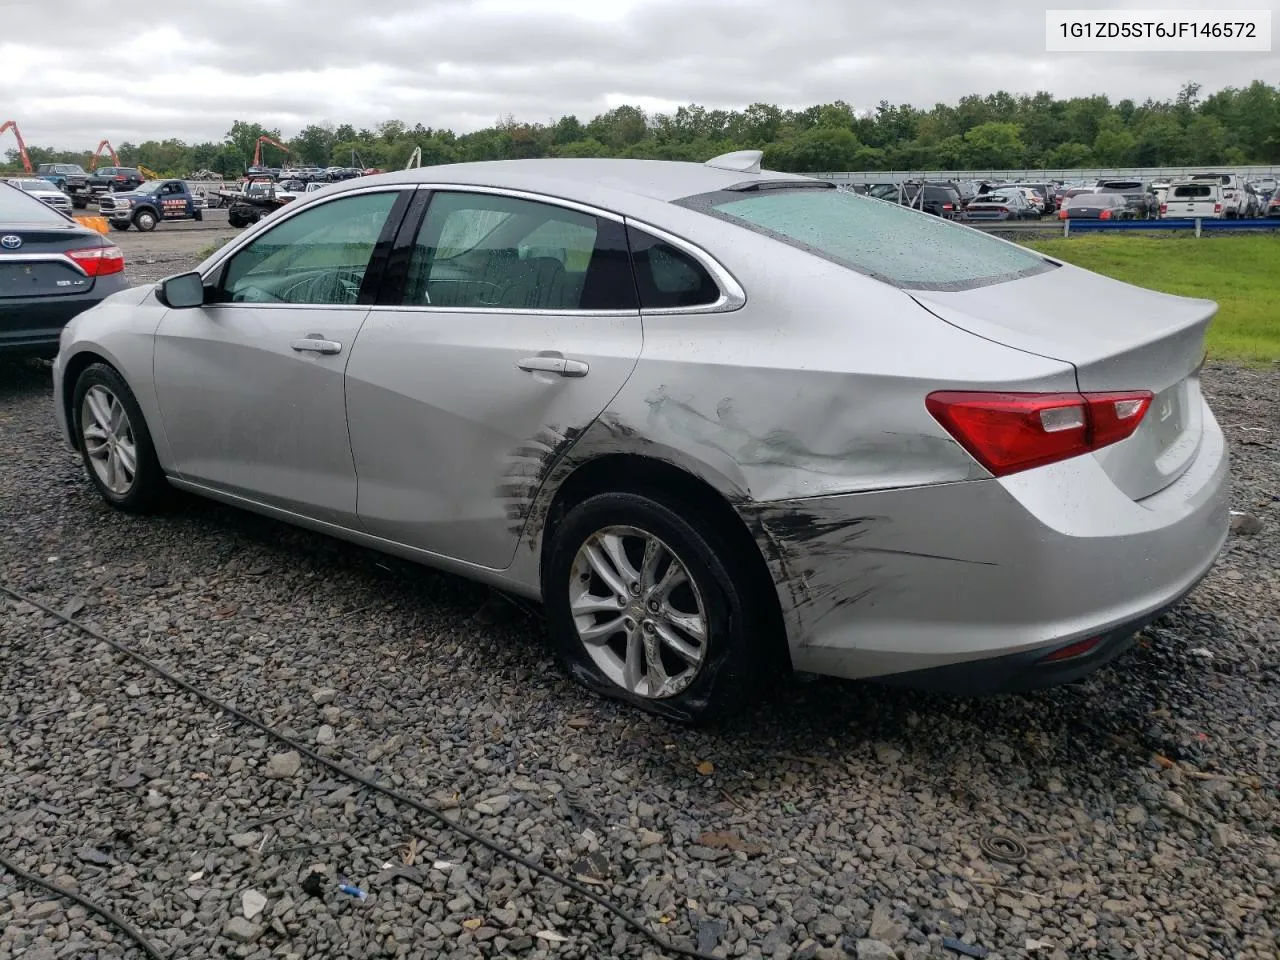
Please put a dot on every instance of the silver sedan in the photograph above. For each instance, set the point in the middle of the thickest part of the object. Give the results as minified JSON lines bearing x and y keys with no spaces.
{"x":722,"y":422}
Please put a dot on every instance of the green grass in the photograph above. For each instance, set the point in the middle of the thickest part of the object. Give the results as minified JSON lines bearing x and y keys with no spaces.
{"x":1241,"y":273}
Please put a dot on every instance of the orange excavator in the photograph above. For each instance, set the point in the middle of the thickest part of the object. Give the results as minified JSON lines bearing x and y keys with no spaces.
{"x":22,"y":147}
{"x":104,"y":145}
{"x":257,"y":150}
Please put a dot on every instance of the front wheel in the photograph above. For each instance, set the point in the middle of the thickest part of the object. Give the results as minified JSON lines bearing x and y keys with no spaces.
{"x":114,"y":441}
{"x":120,"y":225}
{"x":651,"y":606}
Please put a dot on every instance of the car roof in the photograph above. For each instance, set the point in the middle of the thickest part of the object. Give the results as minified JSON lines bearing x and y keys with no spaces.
{"x":608,"y":183}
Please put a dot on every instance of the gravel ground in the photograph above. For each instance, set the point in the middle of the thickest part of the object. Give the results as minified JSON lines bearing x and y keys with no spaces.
{"x":839,"y":819}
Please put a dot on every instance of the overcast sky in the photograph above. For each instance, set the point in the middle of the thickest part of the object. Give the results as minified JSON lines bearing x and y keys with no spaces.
{"x":130,"y":70}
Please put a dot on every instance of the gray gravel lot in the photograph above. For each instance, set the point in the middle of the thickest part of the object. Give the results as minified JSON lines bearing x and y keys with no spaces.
{"x":838,"y":819}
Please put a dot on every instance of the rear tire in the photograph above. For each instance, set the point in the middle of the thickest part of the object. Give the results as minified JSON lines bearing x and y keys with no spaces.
{"x":119,"y":226}
{"x":678,"y":637}
{"x":145,"y":220}
{"x":114,"y":441}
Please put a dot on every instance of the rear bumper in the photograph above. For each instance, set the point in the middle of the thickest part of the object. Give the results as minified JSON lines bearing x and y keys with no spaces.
{"x":32,"y":325}
{"x":982,"y":579}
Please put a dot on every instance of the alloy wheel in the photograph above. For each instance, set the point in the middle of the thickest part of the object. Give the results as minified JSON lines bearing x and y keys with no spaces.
{"x":638,"y":612}
{"x":108,"y":439}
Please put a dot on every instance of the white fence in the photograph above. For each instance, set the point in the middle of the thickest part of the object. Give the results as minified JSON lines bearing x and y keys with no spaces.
{"x":1095,"y":173}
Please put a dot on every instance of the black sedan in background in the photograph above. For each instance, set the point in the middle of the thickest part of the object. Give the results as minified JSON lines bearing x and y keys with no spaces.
{"x":1097,"y":206}
{"x":51,"y":268}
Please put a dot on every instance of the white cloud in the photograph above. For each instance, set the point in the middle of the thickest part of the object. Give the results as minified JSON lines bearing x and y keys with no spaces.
{"x":463,"y":64}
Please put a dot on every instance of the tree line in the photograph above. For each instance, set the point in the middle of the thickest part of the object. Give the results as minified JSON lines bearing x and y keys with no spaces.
{"x":1233,"y":126}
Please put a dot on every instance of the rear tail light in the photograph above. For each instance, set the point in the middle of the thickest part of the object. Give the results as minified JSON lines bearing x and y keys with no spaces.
{"x":1062,"y":214}
{"x":120,"y":177}
{"x":1010,"y":432}
{"x":947,"y":206}
{"x":99,"y":261}
{"x":1164,"y":208}
{"x":1105,"y":215}
{"x":1217,"y":208}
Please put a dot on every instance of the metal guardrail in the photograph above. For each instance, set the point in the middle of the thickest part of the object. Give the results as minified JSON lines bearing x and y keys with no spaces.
{"x":1199,"y":224}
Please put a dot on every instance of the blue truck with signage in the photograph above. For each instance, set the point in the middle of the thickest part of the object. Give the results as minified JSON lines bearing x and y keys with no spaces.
{"x":151,"y":204}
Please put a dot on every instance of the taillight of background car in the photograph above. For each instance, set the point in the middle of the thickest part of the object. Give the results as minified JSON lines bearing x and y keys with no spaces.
{"x":99,"y":261}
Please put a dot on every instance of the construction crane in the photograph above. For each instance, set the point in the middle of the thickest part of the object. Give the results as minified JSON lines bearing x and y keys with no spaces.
{"x":257,"y":150}
{"x":93,"y":163}
{"x":22,"y":147}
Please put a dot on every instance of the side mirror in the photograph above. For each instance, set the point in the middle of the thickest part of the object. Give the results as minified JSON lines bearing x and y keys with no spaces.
{"x":184,"y":290}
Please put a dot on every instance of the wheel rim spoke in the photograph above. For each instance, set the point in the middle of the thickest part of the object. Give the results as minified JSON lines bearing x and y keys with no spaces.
{"x":605,"y":571}
{"x":602,"y":631}
{"x":588,"y":603}
{"x":128,"y":457}
{"x":632,"y":673}
{"x":673,"y":577}
{"x":688,"y":652}
{"x":690,"y":623}
{"x":100,"y":407}
{"x":615,"y":549}
{"x":653,"y":552}
{"x":659,"y":680}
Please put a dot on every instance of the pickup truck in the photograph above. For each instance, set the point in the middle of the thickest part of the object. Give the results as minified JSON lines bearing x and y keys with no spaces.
{"x":115,"y":180}
{"x":154,"y":201}
{"x":70,"y":178}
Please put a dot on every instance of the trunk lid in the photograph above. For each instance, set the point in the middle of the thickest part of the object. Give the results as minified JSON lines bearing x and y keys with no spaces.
{"x":38,"y":266}
{"x":1118,"y":337}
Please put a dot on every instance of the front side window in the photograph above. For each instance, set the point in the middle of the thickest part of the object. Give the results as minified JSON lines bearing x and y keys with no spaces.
{"x":318,"y":256}
{"x":885,"y":241}
{"x":488,"y":251}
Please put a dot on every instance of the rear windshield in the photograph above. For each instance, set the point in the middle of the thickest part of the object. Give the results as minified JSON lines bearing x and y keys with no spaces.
{"x":1193,"y":190}
{"x":902,"y":247}
{"x":18,"y":207}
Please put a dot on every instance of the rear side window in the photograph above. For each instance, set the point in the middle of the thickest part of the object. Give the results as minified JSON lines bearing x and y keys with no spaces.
{"x":886,"y":241}
{"x":17,"y":207}
{"x":1192,"y":190}
{"x":666,"y":277}
{"x":494,"y":252}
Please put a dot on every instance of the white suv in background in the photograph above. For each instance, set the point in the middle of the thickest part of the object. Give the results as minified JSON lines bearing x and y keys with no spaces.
{"x":1196,"y":198}
{"x":1234,"y":199}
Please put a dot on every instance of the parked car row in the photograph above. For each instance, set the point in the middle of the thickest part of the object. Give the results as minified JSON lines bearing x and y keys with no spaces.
{"x":308,"y":174}
{"x":1220,"y":195}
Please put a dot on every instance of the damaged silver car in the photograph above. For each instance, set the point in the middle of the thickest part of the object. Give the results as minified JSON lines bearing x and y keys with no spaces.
{"x":722,"y":422}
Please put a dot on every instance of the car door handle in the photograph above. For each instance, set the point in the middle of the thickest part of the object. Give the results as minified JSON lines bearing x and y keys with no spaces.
{"x":557,"y":365}
{"x":316,"y":345}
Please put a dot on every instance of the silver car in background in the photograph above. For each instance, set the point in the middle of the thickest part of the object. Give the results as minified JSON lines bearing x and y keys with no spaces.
{"x":722,"y":422}
{"x":45,"y":192}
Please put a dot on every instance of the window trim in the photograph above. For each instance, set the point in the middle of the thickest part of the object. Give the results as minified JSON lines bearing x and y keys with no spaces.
{"x":216,"y":274}
{"x":732,"y":296}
